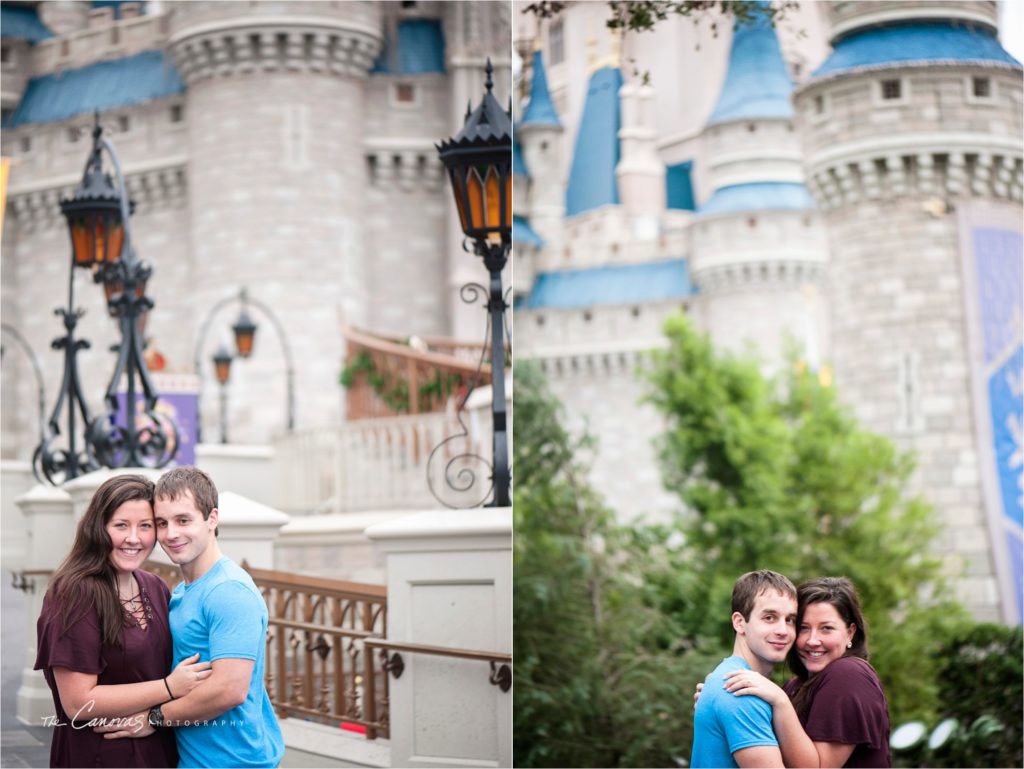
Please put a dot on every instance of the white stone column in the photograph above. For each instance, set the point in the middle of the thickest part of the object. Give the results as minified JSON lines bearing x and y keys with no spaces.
{"x":247,"y":530}
{"x":450,"y":585}
{"x":15,"y":480}
{"x":234,"y":466}
{"x":49,"y":532}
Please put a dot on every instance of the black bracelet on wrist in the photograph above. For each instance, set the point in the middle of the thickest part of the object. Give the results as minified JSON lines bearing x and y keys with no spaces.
{"x":169,"y":692}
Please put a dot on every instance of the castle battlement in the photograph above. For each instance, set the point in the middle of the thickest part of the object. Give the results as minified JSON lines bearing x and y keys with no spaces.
{"x":847,"y":17}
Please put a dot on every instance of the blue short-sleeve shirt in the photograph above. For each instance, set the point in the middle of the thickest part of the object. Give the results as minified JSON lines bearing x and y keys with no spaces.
{"x":724,"y":723}
{"x":222,"y":615}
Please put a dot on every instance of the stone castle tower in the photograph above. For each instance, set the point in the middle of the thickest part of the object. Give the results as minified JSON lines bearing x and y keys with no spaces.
{"x":757,"y":248}
{"x":284,"y":147}
{"x":912,"y":143}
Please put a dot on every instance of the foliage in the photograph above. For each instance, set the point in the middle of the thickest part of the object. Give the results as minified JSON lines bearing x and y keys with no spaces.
{"x":614,"y":624}
{"x":644,"y":15}
{"x":981,"y":685}
{"x":599,"y":669}
{"x":776,"y":474}
{"x":395,"y":391}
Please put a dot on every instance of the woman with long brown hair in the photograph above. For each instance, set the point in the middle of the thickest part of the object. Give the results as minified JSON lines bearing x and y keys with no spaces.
{"x":104,"y":642}
{"x":834,"y":711}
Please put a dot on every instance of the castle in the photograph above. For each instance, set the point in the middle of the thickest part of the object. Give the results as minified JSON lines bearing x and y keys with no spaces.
{"x":284,"y":148}
{"x":848,"y":180}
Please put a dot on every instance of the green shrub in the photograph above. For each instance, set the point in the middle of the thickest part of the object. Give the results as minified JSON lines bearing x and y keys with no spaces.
{"x":981,"y":684}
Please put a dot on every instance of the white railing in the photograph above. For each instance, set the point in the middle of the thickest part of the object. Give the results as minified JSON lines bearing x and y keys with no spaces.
{"x":376,"y":464}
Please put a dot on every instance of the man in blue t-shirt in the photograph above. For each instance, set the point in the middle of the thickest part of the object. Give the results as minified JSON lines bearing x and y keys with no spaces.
{"x":218,"y":612}
{"x":731,"y":731}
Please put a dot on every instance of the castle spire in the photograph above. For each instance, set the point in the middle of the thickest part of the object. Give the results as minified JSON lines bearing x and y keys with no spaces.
{"x":540,"y":110}
{"x":757,"y":84}
{"x":592,"y":181}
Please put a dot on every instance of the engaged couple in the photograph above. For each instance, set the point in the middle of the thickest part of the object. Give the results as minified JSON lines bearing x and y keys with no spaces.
{"x":833,"y":712}
{"x":141,"y":676}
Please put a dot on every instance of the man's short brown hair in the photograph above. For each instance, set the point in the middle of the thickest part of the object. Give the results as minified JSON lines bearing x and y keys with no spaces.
{"x":174,"y":483}
{"x":750,"y":586}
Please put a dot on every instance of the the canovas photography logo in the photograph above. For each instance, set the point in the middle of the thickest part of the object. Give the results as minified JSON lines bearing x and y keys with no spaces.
{"x":128,"y":723}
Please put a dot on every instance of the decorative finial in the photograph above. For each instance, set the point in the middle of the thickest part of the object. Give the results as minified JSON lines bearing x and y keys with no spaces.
{"x":97,"y":129}
{"x":469,"y":109}
{"x":489,"y":69}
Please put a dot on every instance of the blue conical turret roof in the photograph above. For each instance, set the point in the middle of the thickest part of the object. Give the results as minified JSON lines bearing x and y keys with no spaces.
{"x":540,"y":110}
{"x":757,"y":84}
{"x":915,"y":43}
{"x":592,"y":181}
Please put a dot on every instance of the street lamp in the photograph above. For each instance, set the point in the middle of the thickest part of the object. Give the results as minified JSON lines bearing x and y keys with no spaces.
{"x":99,"y":224}
{"x":479,"y":164}
{"x":222,"y":368}
{"x":244,"y":331}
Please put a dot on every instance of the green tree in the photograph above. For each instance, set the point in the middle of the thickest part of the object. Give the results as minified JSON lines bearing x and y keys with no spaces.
{"x":644,"y":15}
{"x":603,"y":677}
{"x":776,"y":474}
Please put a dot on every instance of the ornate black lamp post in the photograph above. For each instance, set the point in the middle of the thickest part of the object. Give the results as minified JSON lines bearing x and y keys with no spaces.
{"x":99,"y":222}
{"x":479,"y":164}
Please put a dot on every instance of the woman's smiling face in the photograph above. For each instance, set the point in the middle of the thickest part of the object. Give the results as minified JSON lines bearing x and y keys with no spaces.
{"x":822,"y":637}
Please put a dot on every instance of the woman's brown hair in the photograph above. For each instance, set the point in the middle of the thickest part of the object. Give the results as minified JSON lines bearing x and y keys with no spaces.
{"x":86,"y":578}
{"x":840,"y":593}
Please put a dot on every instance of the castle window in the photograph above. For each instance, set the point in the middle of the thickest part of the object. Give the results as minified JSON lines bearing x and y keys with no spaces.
{"x":5,"y":114}
{"x":891,"y":89}
{"x":405,"y":93}
{"x":123,"y":123}
{"x":177,"y":113}
{"x":635,"y":312}
{"x":26,"y":144}
{"x":751,"y":127}
{"x":981,"y":87}
{"x":5,"y":55}
{"x":74,"y":134}
{"x":819,"y":104}
{"x":556,"y":42}
{"x":540,"y":320}
{"x":588,"y":316}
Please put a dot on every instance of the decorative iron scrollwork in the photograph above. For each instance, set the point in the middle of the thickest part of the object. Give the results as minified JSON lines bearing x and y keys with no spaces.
{"x":501,"y":676}
{"x":463,"y":471}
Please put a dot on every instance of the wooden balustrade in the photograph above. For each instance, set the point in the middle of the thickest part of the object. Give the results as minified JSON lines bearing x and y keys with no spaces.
{"x":317,"y":665}
{"x":409,"y":379}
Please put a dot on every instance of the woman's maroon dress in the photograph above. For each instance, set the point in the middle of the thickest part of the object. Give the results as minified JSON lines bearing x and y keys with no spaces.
{"x":146,"y":655}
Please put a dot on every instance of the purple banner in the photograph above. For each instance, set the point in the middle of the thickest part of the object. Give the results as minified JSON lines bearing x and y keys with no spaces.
{"x":178,"y":406}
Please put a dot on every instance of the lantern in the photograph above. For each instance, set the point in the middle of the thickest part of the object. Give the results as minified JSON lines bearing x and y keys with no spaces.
{"x":94,"y":218}
{"x":479,"y":164}
{"x":222,"y":364}
{"x":245,"y":333}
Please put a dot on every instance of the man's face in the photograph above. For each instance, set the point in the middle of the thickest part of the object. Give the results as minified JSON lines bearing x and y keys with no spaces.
{"x":181,"y":530}
{"x":771,"y":629}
